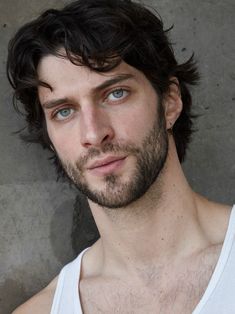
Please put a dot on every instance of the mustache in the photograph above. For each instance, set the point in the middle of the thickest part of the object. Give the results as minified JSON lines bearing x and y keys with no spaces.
{"x":106,"y":148}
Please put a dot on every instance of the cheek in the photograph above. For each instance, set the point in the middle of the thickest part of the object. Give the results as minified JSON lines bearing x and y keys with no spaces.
{"x":64,"y":141}
{"x":137,"y":122}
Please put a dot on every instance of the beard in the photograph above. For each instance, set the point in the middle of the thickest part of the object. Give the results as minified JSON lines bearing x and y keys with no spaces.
{"x":150,"y":159}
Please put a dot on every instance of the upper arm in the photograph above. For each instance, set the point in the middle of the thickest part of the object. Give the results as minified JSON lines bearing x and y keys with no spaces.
{"x":40,"y":303}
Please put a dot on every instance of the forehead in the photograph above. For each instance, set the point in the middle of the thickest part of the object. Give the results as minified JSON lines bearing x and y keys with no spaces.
{"x":57,"y":71}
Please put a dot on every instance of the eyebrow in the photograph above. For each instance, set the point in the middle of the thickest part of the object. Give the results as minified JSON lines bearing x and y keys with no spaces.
{"x":117,"y":79}
{"x":112,"y":81}
{"x":53,"y":103}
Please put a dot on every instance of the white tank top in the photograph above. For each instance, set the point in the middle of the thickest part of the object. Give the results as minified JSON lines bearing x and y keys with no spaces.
{"x":219,"y":297}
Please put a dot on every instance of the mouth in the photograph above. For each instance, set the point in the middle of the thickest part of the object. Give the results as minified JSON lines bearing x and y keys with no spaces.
{"x":107,"y":165}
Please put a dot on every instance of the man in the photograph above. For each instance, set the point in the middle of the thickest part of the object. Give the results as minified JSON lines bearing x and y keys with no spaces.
{"x":102,"y":89}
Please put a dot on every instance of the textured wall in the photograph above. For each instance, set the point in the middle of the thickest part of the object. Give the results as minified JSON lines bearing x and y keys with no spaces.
{"x":36,"y":211}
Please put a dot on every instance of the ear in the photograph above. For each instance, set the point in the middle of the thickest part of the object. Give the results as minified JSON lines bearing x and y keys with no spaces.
{"x":172,"y":103}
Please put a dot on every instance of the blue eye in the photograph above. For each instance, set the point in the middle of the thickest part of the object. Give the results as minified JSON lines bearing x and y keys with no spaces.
{"x":117,"y":94}
{"x":64,"y":113}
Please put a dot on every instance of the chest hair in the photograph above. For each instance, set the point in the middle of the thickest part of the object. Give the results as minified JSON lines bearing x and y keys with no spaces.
{"x":163,"y":290}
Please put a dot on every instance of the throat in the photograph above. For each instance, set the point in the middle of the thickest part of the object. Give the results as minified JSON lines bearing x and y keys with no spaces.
{"x":148,"y":239}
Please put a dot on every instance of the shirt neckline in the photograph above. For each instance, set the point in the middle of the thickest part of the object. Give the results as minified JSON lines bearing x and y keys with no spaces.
{"x":221,"y":263}
{"x":76,"y":297}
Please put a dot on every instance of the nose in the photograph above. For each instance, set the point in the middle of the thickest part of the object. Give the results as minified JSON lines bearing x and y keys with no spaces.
{"x":95,"y":127}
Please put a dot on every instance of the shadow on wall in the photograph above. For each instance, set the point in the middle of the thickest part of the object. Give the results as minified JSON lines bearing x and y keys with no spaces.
{"x":60,"y":232}
{"x":84,"y":230}
{"x":72,"y":229}
{"x":13,"y":288}
{"x":80,"y":228}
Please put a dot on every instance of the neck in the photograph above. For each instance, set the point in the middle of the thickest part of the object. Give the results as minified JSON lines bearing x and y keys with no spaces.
{"x":162,"y":224}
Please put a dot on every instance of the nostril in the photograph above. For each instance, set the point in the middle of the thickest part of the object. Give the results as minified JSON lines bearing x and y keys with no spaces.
{"x":105,"y":138}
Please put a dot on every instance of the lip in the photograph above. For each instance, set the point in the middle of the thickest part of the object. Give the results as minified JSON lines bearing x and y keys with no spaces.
{"x":105,"y":162}
{"x":106,"y":166}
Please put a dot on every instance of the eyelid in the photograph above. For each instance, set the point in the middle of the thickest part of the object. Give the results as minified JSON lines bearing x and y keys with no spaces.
{"x":117,"y":88}
{"x":62,"y":107}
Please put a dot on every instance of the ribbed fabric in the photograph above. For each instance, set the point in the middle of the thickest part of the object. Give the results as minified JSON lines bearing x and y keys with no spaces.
{"x":219,"y":297}
{"x":66,"y":299}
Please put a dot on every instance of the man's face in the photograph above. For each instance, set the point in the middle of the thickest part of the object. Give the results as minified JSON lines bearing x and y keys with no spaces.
{"x":108,"y":129}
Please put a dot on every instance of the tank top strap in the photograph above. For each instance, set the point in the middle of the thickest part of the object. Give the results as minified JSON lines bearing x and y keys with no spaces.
{"x":66,"y":299}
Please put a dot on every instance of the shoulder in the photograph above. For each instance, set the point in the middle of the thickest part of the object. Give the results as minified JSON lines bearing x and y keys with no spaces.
{"x":214,"y":219}
{"x":41,"y":303}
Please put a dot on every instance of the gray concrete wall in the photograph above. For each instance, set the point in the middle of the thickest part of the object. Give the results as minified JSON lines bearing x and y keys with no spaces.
{"x":36,"y":211}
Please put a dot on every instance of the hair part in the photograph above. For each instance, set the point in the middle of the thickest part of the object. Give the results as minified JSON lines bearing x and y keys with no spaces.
{"x":98,"y":34}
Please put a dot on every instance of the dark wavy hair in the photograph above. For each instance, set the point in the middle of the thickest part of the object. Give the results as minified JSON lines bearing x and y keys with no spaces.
{"x":99,"y":34}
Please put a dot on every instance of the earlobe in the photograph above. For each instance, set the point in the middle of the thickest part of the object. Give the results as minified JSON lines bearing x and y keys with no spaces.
{"x":172,"y":103}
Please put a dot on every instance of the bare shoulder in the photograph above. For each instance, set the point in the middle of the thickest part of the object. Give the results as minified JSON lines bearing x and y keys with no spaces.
{"x":214,"y":219}
{"x":41,"y":302}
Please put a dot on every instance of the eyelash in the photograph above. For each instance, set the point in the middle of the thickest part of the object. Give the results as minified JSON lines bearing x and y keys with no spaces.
{"x":55,"y":114}
{"x":118,"y":99}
